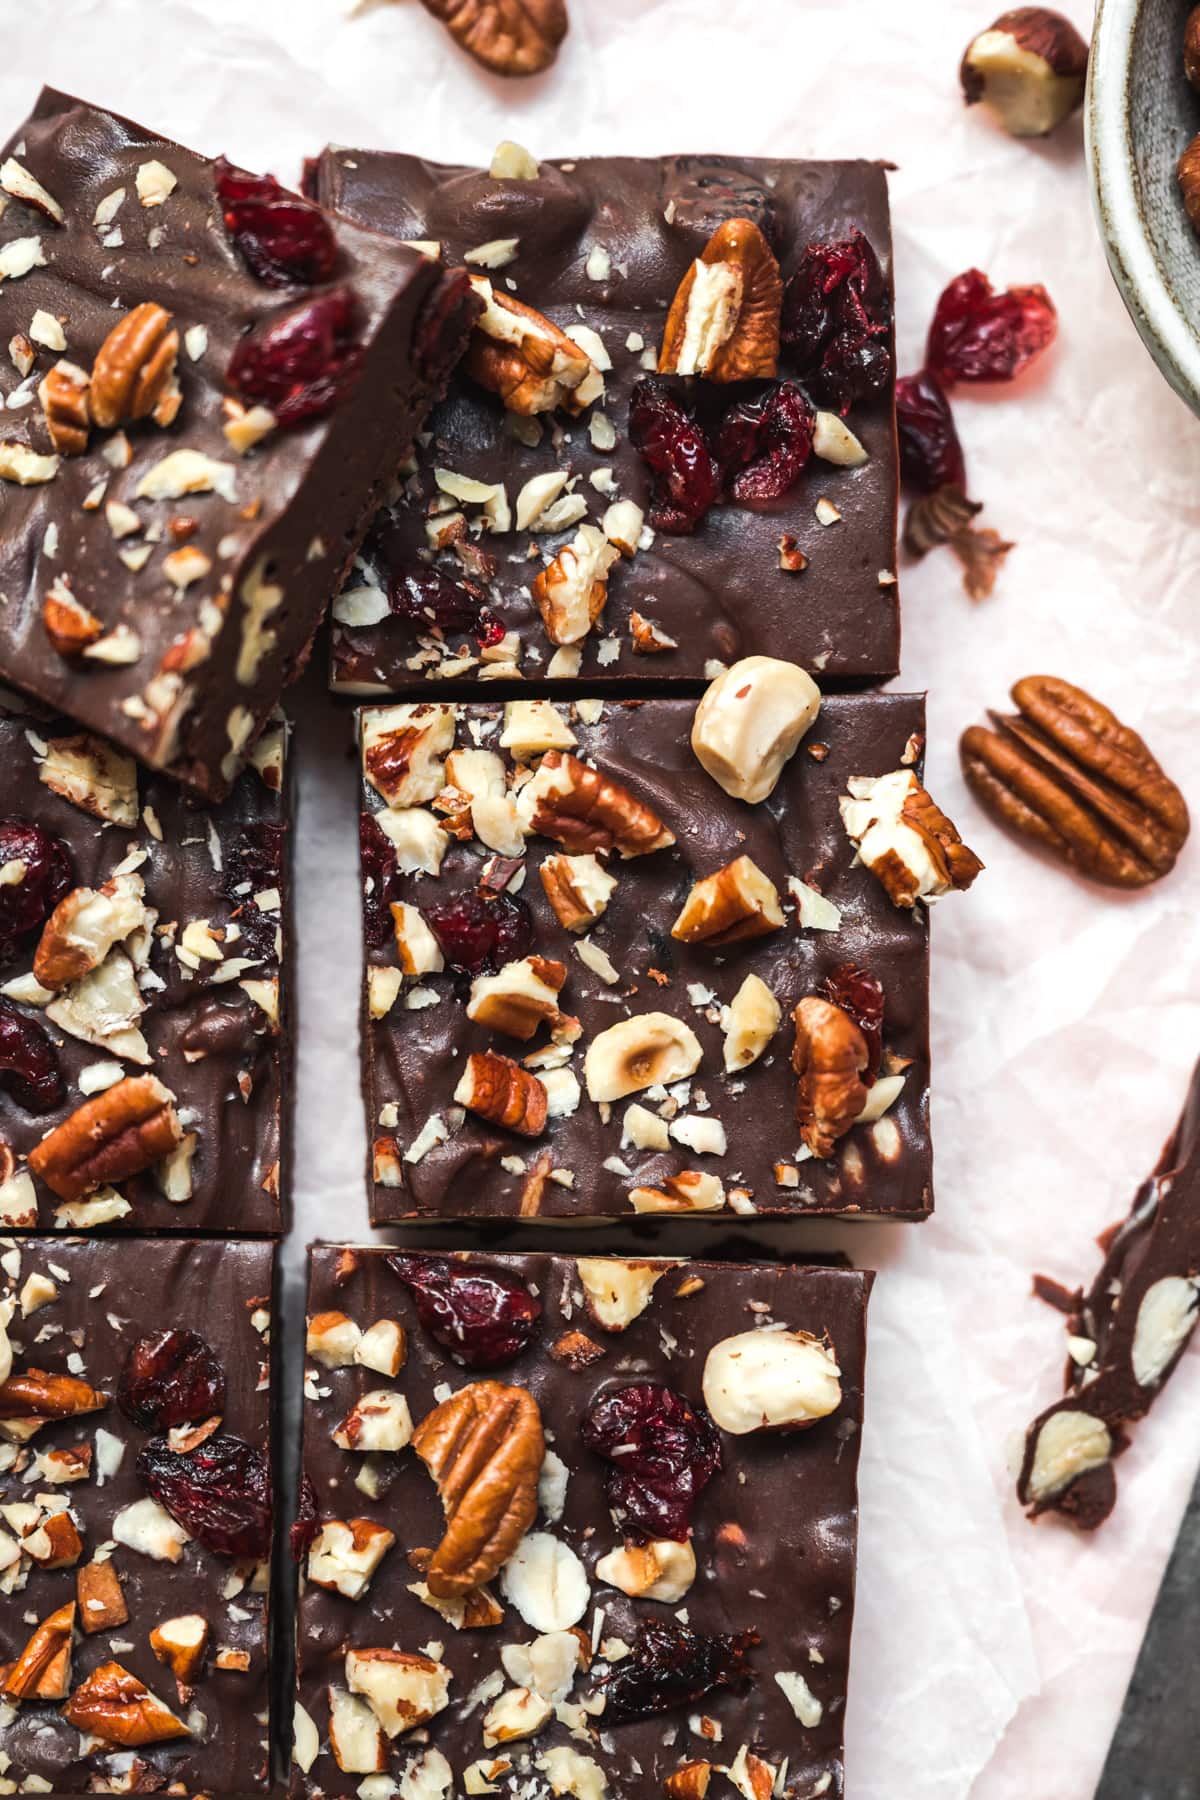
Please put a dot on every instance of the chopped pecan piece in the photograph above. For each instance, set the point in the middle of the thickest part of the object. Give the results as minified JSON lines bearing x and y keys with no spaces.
{"x":1065,"y":773}
{"x":43,"y":1669}
{"x":116,"y":1134}
{"x":114,"y":1705}
{"x":527,"y":360}
{"x":571,"y":591}
{"x":829,"y":1057}
{"x":585,"y":810}
{"x":504,"y":1093}
{"x":690,"y":1781}
{"x":577,"y":887}
{"x":905,"y":839}
{"x":100,"y":1597}
{"x":484,"y":1448}
{"x":133,"y":376}
{"x":724,"y":319}
{"x":736,"y":902}
{"x":69,"y":626}
{"x":63,"y":392}
{"x":37,"y":1394}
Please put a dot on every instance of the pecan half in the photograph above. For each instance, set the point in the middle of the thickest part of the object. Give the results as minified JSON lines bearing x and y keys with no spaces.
{"x":63,"y":392}
{"x":513,"y":37}
{"x":829,"y":1057}
{"x":116,"y":1706}
{"x":501,"y":1091}
{"x":724,"y":319}
{"x":43,"y":1669}
{"x":585,"y":810}
{"x":525,"y":358}
{"x":1065,"y":773}
{"x":118,"y":1133}
{"x":484,"y":1448}
{"x":133,"y":376}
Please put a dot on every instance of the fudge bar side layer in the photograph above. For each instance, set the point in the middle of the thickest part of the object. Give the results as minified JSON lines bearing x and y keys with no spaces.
{"x":581,"y":1166}
{"x":774,"y":1531}
{"x":201,"y":665}
{"x":1139,"y":1314}
{"x":720,"y":593}
{"x":194,"y":990}
{"x":94,"y":1301}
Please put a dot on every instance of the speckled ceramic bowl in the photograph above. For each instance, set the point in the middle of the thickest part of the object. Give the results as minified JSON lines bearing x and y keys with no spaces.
{"x":1140,"y":113}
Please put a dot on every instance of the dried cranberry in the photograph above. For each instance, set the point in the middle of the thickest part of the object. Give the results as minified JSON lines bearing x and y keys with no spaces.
{"x":481,"y":1317}
{"x":29,"y":1068}
{"x":764,"y":444}
{"x":379,"y":876}
{"x":837,"y":319}
{"x":687,"y":479}
{"x":220,"y":1492}
{"x":861,"y":995}
{"x":672,"y":1665}
{"x":930,"y":453}
{"x":284,"y":238}
{"x":429,"y":597}
{"x":664,"y":1452}
{"x":978,"y":334}
{"x":477,"y":931}
{"x":443,"y":326}
{"x":301,"y":362}
{"x":306,"y":1525}
{"x":254,"y":865}
{"x":171,"y":1378}
{"x":25,"y":905}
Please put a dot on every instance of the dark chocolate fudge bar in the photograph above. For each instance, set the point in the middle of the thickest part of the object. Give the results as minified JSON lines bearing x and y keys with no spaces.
{"x":600,"y":982}
{"x":532,"y":536}
{"x":200,"y":414}
{"x":579,"y":1528}
{"x":135,"y":1516}
{"x":144,"y":1065}
{"x":1125,"y":1336}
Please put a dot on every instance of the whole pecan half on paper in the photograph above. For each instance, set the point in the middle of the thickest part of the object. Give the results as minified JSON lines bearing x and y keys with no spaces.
{"x":511,"y":37}
{"x":1064,"y":772}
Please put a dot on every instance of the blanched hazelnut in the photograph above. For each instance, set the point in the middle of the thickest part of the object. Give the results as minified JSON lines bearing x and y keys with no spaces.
{"x":749,"y":723}
{"x":771,"y":1381}
{"x":617,"y":1292}
{"x":749,"y":1022}
{"x":636,"y":1053}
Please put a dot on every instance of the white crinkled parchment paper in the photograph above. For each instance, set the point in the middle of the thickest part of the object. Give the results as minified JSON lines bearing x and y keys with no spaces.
{"x":991,"y":1656}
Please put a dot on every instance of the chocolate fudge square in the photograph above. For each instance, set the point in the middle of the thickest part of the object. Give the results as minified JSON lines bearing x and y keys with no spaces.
{"x":207,"y":385}
{"x":144,"y":1061}
{"x":577,"y":1527}
{"x":135,"y":1515}
{"x":531,"y":535}
{"x":588,"y":1012}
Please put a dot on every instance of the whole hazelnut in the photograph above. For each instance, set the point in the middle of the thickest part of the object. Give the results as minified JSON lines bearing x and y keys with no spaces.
{"x":1029,"y":69}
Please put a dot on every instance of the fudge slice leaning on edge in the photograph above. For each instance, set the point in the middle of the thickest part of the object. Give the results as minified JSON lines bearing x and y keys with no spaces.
{"x":577,"y":1527}
{"x":632,"y":957}
{"x":144,"y":989}
{"x":135,"y":1515}
{"x":208,"y":385}
{"x":672,"y":440}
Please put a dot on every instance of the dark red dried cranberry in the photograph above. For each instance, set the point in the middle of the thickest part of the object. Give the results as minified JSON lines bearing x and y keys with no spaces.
{"x":379,"y":877}
{"x":763,"y":445}
{"x":301,"y":362}
{"x":664,"y":1452}
{"x":306,"y":1526}
{"x":254,"y":865}
{"x":171,"y":1378}
{"x":978,"y":334}
{"x":220,"y":1492}
{"x":284,"y":238}
{"x":930,"y":453}
{"x":380,"y":873}
{"x":481,"y":1317}
{"x":29,"y":1068}
{"x":443,"y":326}
{"x":25,"y":905}
{"x":430,"y":597}
{"x":671,"y":1666}
{"x":477,"y":931}
{"x":836,"y":321}
{"x":687,"y":480}
{"x":861,"y":995}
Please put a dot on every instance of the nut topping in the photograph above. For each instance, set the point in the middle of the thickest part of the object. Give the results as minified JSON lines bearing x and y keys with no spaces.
{"x":118,"y":1133}
{"x":905,"y":839}
{"x":771,"y":1381}
{"x":133,"y":376}
{"x":501,"y":1091}
{"x":180,"y":1645}
{"x":523,"y":357}
{"x":636,"y":1053}
{"x":114,"y":1705}
{"x":513,"y":37}
{"x":570,"y":592}
{"x":585,"y":810}
{"x":403,"y":751}
{"x":43,"y":1669}
{"x":749,"y":722}
{"x":1029,"y":69}
{"x":749,"y":1022}
{"x":484,"y":1448}
{"x":829,"y":1057}
{"x":724,"y":319}
{"x":578,"y":888}
{"x":1065,"y":773}
{"x":402,"y":1690}
{"x":69,"y":625}
{"x":39,"y":1394}
{"x":100,"y":1597}
{"x":63,"y":392}
{"x":736,"y":902}
{"x":522,"y":997}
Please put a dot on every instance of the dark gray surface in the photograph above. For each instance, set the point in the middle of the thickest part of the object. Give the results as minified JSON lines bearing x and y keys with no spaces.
{"x":1155,"y":1752}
